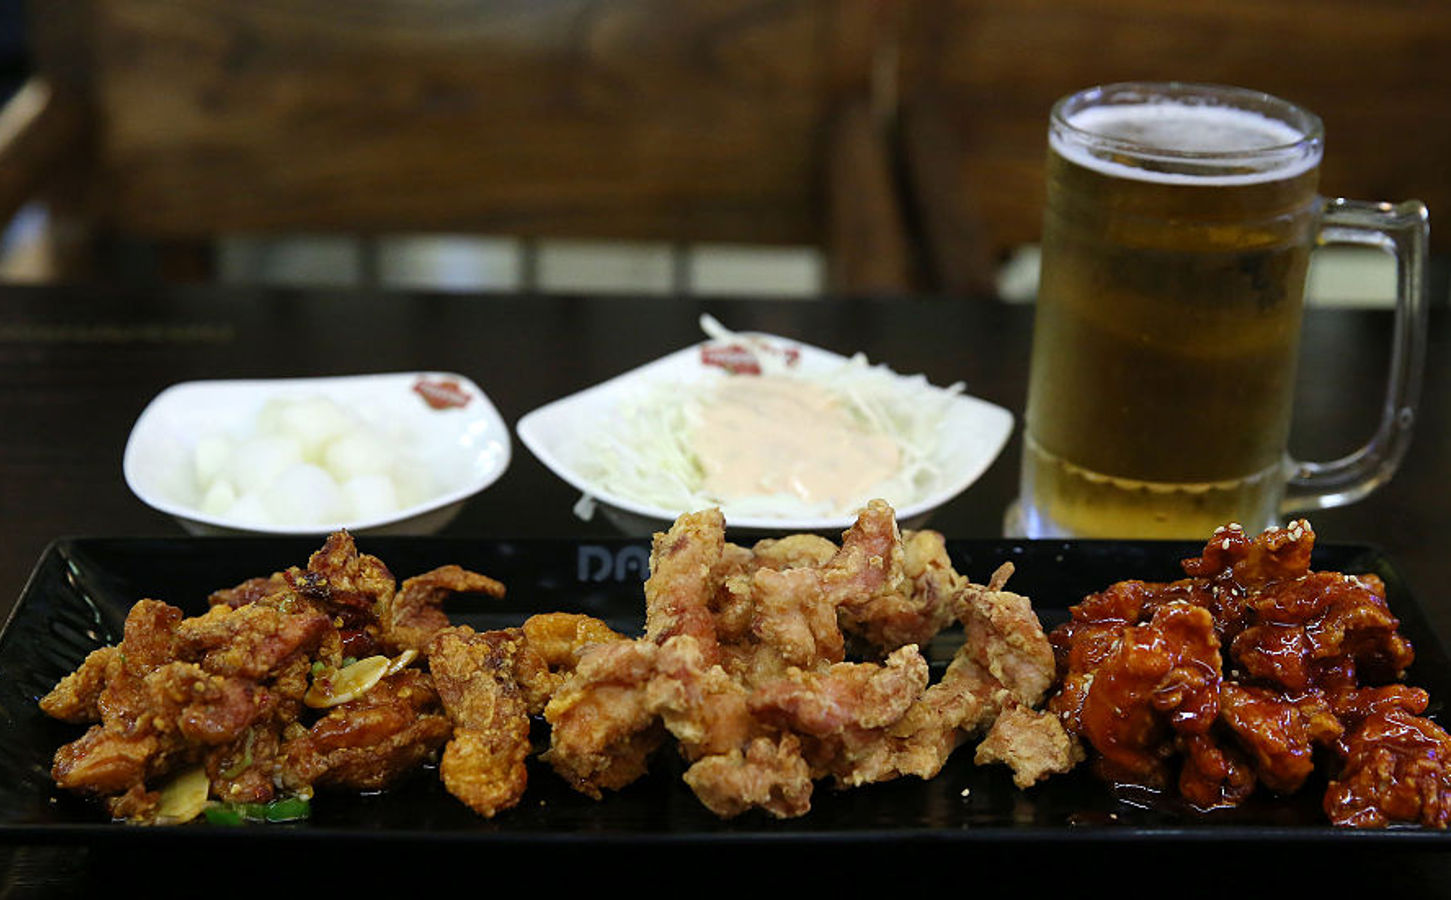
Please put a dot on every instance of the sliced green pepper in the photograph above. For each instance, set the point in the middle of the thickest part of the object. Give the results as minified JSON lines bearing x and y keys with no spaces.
{"x":285,"y":809}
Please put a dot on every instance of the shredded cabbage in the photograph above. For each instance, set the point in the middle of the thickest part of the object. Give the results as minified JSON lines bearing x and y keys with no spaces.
{"x":640,"y":450}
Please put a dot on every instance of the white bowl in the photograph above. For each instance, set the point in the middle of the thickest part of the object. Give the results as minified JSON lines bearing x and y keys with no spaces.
{"x":973,"y":433}
{"x":463,"y":444}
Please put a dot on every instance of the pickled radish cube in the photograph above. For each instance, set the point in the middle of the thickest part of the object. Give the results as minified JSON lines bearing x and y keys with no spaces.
{"x":371,"y":496}
{"x":257,"y":461}
{"x":248,"y":510}
{"x":304,"y":493}
{"x":311,"y":421}
{"x":219,"y":498}
{"x":357,"y":453}
{"x":413,"y":482}
{"x":211,"y":458}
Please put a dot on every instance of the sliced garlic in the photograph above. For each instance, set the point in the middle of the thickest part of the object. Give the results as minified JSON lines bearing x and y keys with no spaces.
{"x":183,"y":797}
{"x":332,"y":687}
{"x":401,"y":661}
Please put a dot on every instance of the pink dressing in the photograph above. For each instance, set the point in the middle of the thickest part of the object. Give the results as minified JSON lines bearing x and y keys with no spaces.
{"x":769,"y":435}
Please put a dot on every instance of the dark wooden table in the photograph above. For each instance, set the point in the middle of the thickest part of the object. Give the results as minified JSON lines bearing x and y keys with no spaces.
{"x":78,"y":365}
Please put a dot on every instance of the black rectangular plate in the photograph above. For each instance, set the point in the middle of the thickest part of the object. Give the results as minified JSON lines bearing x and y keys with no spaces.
{"x":81,"y":589}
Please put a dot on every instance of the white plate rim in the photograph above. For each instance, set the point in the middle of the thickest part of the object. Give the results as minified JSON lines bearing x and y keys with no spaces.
{"x":484,"y":411}
{"x":530,"y":429}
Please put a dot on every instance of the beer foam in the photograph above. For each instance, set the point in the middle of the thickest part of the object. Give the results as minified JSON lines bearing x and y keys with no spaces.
{"x":1212,"y":133}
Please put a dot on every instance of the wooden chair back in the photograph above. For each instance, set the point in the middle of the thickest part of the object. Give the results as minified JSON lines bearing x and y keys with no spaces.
{"x":636,"y":119}
{"x":904,"y":137}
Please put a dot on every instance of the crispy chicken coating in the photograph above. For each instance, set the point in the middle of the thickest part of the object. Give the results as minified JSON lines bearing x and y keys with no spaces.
{"x":370,"y":743}
{"x":232,"y":689}
{"x":1032,"y":743}
{"x":603,"y":727}
{"x":743,"y":663}
{"x":490,"y":684}
{"x":768,"y":667}
{"x":414,"y":614}
{"x":484,"y":762}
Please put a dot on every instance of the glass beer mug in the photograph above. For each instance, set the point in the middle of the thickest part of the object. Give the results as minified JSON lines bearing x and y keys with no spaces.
{"x":1178,"y":229}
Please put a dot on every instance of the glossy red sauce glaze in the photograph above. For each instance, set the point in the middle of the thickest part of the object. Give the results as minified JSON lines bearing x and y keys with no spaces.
{"x":1249,"y":672}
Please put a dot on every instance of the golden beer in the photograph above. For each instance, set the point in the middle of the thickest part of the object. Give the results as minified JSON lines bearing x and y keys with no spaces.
{"x":1176,"y":239}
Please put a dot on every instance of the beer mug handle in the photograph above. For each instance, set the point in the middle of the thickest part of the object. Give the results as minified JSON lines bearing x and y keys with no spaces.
{"x":1403,"y":230}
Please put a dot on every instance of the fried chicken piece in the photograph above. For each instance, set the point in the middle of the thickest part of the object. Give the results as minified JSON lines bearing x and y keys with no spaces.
{"x":254,"y":640}
{"x":768,"y":774}
{"x":354,"y":589}
{"x":553,"y":643}
{"x":733,"y":605}
{"x":1004,"y":635}
{"x":490,"y":683}
{"x":925,"y":737}
{"x":1162,"y":679}
{"x":484,"y":761}
{"x":868,"y":569}
{"x":75,"y":699}
{"x":411,"y":617}
{"x":792,"y":551}
{"x":106,"y":762}
{"x":1278,"y":735}
{"x":1032,"y":743}
{"x":678,"y":593}
{"x":921,"y":602}
{"x":1395,"y":762}
{"x":792,"y":624}
{"x":843,"y":696}
{"x":1396,"y":770}
{"x":1005,"y":660}
{"x":603,"y":728}
{"x":371,"y":742}
{"x":704,"y":708}
{"x":150,"y":718}
{"x":626,"y":697}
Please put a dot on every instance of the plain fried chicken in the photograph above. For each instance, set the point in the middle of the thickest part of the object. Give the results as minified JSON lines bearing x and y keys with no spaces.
{"x":767,"y":773}
{"x":679,"y":592}
{"x":1032,"y":743}
{"x":744,"y":664}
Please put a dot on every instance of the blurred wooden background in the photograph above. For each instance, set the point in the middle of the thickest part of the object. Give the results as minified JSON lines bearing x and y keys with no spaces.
{"x":903,"y":137}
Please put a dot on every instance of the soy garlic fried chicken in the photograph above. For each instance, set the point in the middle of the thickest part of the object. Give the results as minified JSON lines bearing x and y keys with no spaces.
{"x":167,"y":697}
{"x":1246,"y":672}
{"x":258,"y":690}
{"x":371,"y":742}
{"x":744,"y":665}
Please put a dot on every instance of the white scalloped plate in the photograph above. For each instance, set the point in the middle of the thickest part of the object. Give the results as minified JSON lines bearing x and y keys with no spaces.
{"x":465,"y":445}
{"x":974,"y":432}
